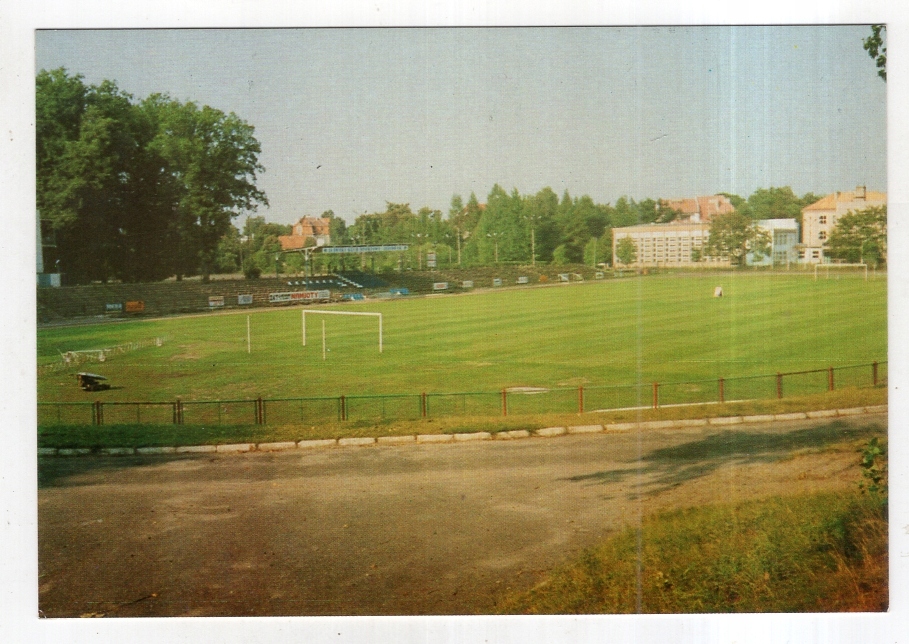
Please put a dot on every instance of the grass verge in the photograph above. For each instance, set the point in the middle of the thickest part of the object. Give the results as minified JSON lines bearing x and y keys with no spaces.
{"x":814,"y":553}
{"x":158,"y":435}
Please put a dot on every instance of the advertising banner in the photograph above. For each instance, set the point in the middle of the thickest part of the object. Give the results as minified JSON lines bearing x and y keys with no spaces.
{"x":136,"y":306}
{"x":216,"y":300}
{"x":298,"y":296}
{"x":113,"y":307}
{"x":440,"y":286}
{"x":244,"y":299}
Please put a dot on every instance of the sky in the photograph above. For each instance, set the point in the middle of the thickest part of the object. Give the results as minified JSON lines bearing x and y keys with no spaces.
{"x":349,"y":119}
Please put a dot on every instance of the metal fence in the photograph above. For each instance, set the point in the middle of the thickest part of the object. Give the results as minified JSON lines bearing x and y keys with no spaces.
{"x":507,"y":402}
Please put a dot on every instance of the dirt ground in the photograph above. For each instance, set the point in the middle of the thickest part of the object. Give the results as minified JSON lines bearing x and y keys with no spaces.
{"x":388,"y":530}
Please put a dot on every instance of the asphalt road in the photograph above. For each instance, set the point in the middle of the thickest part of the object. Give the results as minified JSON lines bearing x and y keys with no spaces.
{"x":388,"y":530}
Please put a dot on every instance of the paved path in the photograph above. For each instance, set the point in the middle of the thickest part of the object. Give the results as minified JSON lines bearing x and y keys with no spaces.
{"x":404,"y":529}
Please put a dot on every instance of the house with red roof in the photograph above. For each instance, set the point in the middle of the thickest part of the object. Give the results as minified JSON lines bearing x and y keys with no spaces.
{"x":699,"y":209}
{"x":317,"y":229}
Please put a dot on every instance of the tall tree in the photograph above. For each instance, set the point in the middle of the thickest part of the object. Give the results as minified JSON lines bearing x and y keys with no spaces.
{"x":626,"y":251}
{"x":775,"y":203}
{"x":860,"y":236}
{"x":138,"y":191}
{"x":212,"y":158}
{"x":733,"y":236}
{"x":97,"y":182}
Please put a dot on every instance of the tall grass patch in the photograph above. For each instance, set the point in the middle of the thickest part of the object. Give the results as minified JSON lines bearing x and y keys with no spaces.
{"x":811,"y":553}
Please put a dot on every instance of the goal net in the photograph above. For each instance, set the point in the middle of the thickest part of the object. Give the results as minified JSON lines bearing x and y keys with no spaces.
{"x":305,"y":312}
{"x":837,"y":270}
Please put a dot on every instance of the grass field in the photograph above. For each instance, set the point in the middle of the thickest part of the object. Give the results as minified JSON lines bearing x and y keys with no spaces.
{"x":638,"y":329}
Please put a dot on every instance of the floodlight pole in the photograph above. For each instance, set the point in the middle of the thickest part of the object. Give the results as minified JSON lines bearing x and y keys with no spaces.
{"x":323,"y":339}
{"x":248,"y":344}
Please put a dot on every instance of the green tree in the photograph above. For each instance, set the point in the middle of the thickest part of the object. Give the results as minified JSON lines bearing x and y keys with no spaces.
{"x":739,"y":203}
{"x":626,"y":251}
{"x":775,"y":203}
{"x":138,"y":190}
{"x":877,"y":49}
{"x":860,"y":236}
{"x":98,"y":183}
{"x":597,"y":251}
{"x":212,"y":158}
{"x":733,"y":236}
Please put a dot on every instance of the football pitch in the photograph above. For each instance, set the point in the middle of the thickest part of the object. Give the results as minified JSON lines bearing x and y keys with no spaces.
{"x":616,"y":332}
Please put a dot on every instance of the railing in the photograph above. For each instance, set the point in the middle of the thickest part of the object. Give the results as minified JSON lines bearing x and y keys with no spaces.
{"x":507,"y":402}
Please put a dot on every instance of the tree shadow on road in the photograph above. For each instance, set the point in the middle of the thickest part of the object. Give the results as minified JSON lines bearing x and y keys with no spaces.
{"x":668,"y":467}
{"x":62,"y":471}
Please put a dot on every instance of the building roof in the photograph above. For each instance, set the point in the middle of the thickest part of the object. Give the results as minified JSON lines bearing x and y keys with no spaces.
{"x":684,"y":206}
{"x":714,"y":205}
{"x":292,"y":242}
{"x":830,"y":201}
{"x":671,"y":226}
{"x":704,"y":207}
{"x":313,"y":226}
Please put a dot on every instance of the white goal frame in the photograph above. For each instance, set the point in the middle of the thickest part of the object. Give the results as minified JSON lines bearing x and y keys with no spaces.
{"x":827,"y":266}
{"x":323,"y":312}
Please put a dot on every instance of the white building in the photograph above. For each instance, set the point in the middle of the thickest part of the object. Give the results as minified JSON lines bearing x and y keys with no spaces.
{"x":669,"y":244}
{"x":784,"y":241}
{"x":819,"y":219}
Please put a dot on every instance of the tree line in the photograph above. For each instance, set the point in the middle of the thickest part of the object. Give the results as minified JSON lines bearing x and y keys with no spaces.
{"x":145,"y":190}
{"x":509,"y":227}
{"x":138,"y":190}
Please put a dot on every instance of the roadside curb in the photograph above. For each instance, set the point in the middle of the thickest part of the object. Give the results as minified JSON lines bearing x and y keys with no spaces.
{"x":546,"y":432}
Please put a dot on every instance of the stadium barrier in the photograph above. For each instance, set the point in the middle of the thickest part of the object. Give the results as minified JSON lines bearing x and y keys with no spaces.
{"x":514,"y":401}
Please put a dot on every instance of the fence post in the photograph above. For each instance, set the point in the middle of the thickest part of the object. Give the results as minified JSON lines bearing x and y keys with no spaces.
{"x":180,"y":410}
{"x":830,"y":379}
{"x":581,"y":399}
{"x":874,"y":373}
{"x":504,"y":402}
{"x":722,"y":390}
{"x":98,"y":415}
{"x":262,"y":411}
{"x":779,"y":385}
{"x":174,"y":406}
{"x":343,"y":407}
{"x":423,"y":404}
{"x":656,"y":395}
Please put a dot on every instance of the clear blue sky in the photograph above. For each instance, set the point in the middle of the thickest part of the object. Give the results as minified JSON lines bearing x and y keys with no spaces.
{"x":351,"y":118}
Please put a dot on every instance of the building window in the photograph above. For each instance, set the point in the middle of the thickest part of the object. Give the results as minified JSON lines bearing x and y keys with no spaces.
{"x":822,"y":235}
{"x":822,"y":219}
{"x":815,"y":254}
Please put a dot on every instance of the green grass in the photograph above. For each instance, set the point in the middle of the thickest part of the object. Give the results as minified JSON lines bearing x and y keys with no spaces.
{"x":657,"y":328}
{"x":812,"y":553}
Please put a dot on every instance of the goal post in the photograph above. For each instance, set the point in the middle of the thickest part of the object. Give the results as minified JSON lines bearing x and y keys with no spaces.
{"x":323,"y":312}
{"x":827,"y":268}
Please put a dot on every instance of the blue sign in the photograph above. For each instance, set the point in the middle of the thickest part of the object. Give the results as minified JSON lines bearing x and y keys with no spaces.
{"x":382,"y":248}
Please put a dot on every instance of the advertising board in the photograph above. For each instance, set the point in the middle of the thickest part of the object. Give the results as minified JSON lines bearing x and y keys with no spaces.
{"x":134,"y":306}
{"x":298,"y":296}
